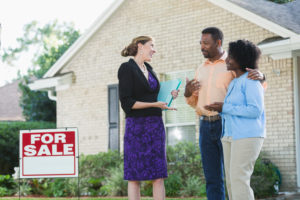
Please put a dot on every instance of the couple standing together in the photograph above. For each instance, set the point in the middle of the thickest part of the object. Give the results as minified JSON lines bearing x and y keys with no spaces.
{"x":227,"y":94}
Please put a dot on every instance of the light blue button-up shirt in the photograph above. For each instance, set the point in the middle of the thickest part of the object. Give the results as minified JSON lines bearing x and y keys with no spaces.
{"x":243,"y":113}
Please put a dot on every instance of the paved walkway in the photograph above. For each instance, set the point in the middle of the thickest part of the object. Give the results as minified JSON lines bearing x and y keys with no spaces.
{"x":286,"y":196}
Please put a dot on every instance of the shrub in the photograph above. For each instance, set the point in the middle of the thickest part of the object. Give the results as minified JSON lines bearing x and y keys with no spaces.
{"x":184,"y":166}
{"x":146,"y":188}
{"x":173,"y":185}
{"x":102,"y":174}
{"x":9,"y":142}
{"x":265,"y":178}
{"x":191,"y":188}
{"x":7,"y":185}
{"x":95,"y":168}
{"x":184,"y":159}
{"x":25,"y":188}
{"x":61,"y":187}
{"x":3,"y":191}
{"x":115,"y":185}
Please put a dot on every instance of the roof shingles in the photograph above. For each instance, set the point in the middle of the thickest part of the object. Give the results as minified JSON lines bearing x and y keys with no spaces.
{"x":286,"y":15}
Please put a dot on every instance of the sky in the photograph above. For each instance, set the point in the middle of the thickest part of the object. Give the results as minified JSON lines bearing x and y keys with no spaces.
{"x":14,"y":14}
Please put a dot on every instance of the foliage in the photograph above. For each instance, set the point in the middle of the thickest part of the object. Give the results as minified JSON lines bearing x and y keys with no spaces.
{"x":191,"y":188}
{"x":184,"y":159}
{"x":115,"y":185}
{"x":25,"y":188}
{"x":36,"y":105}
{"x":102,"y":175}
{"x":265,"y":180}
{"x":146,"y":188}
{"x":61,"y":187}
{"x":173,"y":185}
{"x":38,"y":186}
{"x":281,"y":1}
{"x":9,"y":142}
{"x":185,"y":170}
{"x":7,"y":185}
{"x":95,"y":168}
{"x":50,"y":42}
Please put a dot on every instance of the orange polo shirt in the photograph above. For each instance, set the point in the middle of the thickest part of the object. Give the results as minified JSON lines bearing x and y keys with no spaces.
{"x":214,"y":79}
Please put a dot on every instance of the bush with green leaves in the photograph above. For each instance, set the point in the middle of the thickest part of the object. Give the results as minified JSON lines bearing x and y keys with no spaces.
{"x":9,"y":142}
{"x":102,"y":175}
{"x":173,"y":185}
{"x":265,"y":180}
{"x":114,"y":184}
{"x":185,"y":168}
{"x":146,"y":188}
{"x":192,"y":189}
{"x":95,"y":168}
{"x":7,"y":185}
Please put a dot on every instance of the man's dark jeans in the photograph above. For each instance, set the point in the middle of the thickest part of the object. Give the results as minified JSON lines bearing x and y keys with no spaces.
{"x":212,"y":158}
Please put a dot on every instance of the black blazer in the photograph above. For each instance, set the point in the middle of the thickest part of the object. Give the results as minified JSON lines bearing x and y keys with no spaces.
{"x":133,"y":86}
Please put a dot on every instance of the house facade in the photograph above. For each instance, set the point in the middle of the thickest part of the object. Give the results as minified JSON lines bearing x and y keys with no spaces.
{"x":85,"y":77}
{"x":10,"y":109}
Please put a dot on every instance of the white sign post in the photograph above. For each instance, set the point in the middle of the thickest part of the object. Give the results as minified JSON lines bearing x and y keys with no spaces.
{"x":49,"y":153}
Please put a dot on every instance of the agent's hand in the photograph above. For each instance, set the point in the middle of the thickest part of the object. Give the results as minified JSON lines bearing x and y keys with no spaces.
{"x":174,"y":93}
{"x":254,"y":74}
{"x":191,"y":87}
{"x":163,"y":105}
{"x":216,"y":106}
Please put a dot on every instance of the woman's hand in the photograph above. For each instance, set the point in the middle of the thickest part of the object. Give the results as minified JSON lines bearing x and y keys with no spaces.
{"x":163,"y":105}
{"x":217,"y":106}
{"x":174,"y":93}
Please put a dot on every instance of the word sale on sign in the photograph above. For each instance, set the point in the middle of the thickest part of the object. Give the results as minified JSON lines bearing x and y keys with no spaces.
{"x":49,"y":153}
{"x":49,"y":144}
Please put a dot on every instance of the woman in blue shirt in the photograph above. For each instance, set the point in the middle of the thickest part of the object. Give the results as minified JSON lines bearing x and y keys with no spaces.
{"x":243,"y":116}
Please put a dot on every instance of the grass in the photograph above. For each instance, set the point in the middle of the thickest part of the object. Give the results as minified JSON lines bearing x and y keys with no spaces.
{"x":98,"y":198}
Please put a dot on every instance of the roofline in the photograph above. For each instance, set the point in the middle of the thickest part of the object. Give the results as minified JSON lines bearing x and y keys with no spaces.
{"x":53,"y":83}
{"x":225,"y":4}
{"x":280,"y":49}
{"x":65,"y":58}
{"x":254,"y":18}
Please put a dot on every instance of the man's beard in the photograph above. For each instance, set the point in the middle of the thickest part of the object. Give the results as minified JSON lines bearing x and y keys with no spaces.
{"x":206,"y":55}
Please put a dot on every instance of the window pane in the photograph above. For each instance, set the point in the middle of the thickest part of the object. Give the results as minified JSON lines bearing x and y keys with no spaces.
{"x":180,"y":123}
{"x":184,"y":112}
{"x":181,"y":133}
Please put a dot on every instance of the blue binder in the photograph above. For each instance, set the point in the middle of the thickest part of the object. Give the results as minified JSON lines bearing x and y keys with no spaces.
{"x":165,"y":90}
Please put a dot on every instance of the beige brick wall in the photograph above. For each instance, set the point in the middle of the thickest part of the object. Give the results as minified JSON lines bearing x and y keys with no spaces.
{"x":176,"y":26}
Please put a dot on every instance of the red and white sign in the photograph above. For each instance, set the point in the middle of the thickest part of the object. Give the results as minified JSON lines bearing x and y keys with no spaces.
{"x":49,"y":153}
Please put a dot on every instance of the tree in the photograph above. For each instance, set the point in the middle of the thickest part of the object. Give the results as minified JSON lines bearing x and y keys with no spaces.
{"x":50,"y":42}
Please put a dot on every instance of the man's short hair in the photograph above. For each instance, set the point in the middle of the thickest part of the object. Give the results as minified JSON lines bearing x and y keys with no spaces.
{"x":215,"y":33}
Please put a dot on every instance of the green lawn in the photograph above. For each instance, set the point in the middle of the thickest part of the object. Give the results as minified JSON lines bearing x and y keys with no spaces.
{"x":105,"y":198}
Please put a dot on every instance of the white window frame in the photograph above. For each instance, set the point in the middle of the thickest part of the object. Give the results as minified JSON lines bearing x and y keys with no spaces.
{"x":163,"y":75}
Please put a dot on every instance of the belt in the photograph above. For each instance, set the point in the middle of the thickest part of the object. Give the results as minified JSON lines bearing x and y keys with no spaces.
{"x":211,"y":118}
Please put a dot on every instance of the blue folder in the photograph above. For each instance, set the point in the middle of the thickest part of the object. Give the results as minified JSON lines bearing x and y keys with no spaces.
{"x":165,"y":90}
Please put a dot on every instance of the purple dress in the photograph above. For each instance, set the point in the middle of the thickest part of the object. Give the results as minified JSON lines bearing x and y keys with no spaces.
{"x":144,"y":146}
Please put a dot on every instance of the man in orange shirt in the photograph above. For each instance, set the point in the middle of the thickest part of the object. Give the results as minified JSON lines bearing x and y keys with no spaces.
{"x":210,"y":85}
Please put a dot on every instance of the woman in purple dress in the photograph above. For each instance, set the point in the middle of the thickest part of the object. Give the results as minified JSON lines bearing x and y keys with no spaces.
{"x":144,"y":139}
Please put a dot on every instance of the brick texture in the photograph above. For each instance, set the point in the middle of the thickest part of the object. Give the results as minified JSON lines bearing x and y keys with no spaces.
{"x":176,"y":26}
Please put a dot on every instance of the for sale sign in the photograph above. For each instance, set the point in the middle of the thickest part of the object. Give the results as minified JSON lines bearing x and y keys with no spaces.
{"x":49,"y":153}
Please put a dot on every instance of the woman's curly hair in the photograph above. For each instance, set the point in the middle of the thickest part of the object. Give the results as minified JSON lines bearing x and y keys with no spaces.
{"x":245,"y":53}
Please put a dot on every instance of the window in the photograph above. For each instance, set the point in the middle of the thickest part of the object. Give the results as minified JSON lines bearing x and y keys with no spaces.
{"x":180,"y":124}
{"x":113,"y":118}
